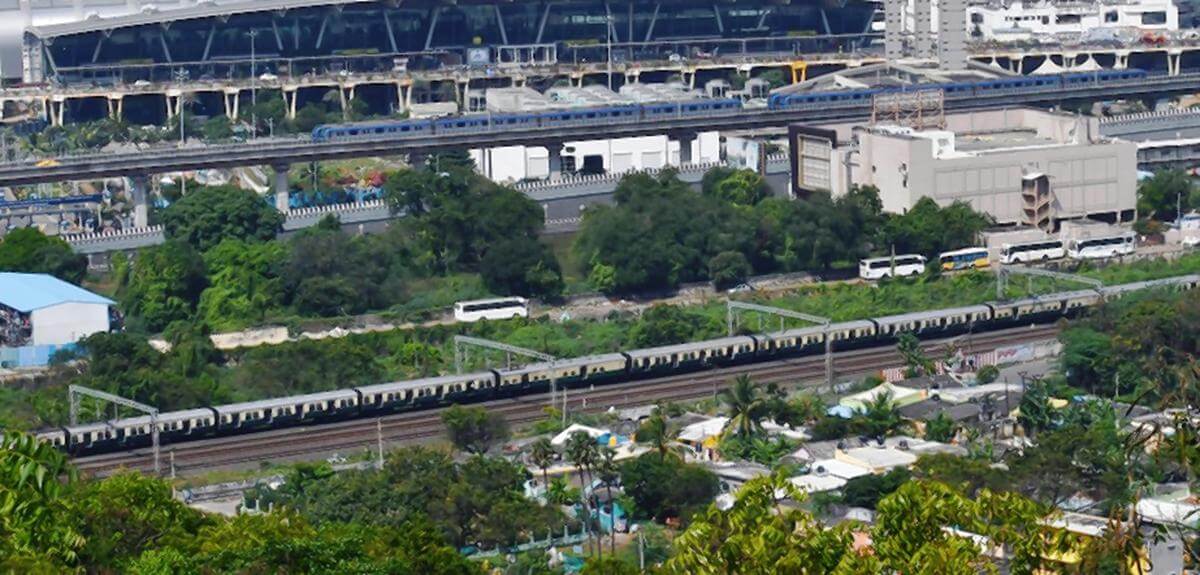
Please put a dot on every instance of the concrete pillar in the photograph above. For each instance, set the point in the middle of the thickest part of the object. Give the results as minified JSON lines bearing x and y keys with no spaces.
{"x":1173,"y":60}
{"x":556,"y":167}
{"x":923,"y":28}
{"x":685,"y":148}
{"x":1121,"y":59}
{"x":952,"y":35}
{"x":232,"y":103}
{"x":281,"y":189}
{"x":139,"y":193}
{"x":289,"y":101}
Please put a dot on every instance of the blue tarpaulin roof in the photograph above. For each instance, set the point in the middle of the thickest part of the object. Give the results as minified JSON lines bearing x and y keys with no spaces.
{"x":27,"y":292}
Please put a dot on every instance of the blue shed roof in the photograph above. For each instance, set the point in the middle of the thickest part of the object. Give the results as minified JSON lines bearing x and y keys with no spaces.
{"x":27,"y":292}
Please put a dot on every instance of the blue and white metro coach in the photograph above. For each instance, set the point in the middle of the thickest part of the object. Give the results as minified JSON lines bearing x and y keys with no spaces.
{"x":632,"y":113}
{"x":372,"y":400}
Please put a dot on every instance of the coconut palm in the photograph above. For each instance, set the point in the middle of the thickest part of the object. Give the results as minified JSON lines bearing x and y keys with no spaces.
{"x":656,"y":432}
{"x":583,"y":452}
{"x":542,"y":454}
{"x":746,"y":407}
{"x":606,"y":469}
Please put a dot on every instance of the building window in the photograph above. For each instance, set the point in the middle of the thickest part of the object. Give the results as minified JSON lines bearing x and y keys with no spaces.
{"x":1154,"y":18}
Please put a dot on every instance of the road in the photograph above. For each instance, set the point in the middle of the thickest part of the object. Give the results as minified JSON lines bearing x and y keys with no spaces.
{"x":285,"y":152}
{"x":314,"y":441}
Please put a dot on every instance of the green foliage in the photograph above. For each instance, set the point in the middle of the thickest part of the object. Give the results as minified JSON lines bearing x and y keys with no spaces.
{"x":758,"y":536}
{"x":766,"y":451}
{"x":728,"y":269}
{"x":738,"y":187}
{"x":217,"y":128}
{"x":669,"y":324}
{"x":474,"y":429}
{"x":477,"y":502}
{"x":661,"y":234}
{"x":941,"y":428}
{"x":244,"y":282}
{"x":521,"y":266}
{"x":866,"y":491}
{"x":210,"y":214}
{"x":746,"y":407}
{"x":987,"y":374}
{"x":929,"y":229}
{"x":915,"y":359}
{"x":1036,"y":413}
{"x":1158,"y":196}
{"x":28,"y":250}
{"x":607,"y":566}
{"x":665,"y":487}
{"x":164,"y":284}
{"x":34,"y":525}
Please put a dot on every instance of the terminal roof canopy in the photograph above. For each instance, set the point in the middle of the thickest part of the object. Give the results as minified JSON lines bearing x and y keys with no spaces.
{"x":28,"y":292}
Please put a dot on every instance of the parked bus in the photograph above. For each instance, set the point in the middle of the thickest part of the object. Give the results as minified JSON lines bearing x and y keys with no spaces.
{"x":964,"y":259}
{"x":499,"y":308}
{"x":1032,"y":252}
{"x":1105,"y":247}
{"x":898,"y":266}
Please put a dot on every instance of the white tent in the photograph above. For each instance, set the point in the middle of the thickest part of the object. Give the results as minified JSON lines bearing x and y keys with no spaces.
{"x":1048,"y":67}
{"x":562,"y":438}
{"x":1089,"y":65}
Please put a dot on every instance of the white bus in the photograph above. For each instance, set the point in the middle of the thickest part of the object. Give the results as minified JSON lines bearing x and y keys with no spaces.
{"x":905,"y":265}
{"x":964,"y":259}
{"x":1105,"y":247}
{"x":499,"y":308}
{"x":1032,"y":252}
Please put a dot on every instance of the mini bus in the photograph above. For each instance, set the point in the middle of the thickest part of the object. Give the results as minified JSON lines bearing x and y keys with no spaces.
{"x":964,"y":259}
{"x":1105,"y":247}
{"x":898,"y":266}
{"x":498,"y":308}
{"x":1032,"y":252}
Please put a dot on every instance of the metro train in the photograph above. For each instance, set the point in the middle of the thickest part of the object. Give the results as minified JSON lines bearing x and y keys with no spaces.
{"x":373,"y":400}
{"x":631,"y":113}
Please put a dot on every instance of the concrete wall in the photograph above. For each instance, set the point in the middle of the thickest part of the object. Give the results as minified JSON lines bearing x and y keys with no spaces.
{"x":516,"y":163}
{"x":68,"y":322}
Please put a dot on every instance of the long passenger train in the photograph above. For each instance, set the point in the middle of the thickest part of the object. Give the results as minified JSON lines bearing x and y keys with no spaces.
{"x":372,"y":400}
{"x":634,"y":113}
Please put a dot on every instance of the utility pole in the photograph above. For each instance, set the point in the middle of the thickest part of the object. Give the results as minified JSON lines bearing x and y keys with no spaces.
{"x":75,"y":391}
{"x":732,"y":307}
{"x":461,"y":342}
{"x":608,"y":36}
{"x":379,"y":440}
{"x":253,"y":85}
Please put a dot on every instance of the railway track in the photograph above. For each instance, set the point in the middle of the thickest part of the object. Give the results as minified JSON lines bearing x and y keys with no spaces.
{"x":397,"y":429}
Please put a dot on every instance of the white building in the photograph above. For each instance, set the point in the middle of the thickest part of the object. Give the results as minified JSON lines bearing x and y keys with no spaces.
{"x":51,"y":311}
{"x":1021,"y":166}
{"x":1023,"y":21}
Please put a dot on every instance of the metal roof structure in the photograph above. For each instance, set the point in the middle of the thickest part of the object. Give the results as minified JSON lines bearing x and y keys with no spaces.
{"x":29,"y":292}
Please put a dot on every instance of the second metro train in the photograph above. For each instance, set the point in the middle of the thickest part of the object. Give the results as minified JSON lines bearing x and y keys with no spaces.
{"x":633,"y":113}
{"x":374,"y":400}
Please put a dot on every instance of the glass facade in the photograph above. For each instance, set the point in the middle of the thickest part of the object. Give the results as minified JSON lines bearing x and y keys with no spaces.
{"x":372,"y":36}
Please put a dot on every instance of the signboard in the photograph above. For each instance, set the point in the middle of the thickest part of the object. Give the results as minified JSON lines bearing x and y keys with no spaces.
{"x":814,"y":161}
{"x":479,"y":56}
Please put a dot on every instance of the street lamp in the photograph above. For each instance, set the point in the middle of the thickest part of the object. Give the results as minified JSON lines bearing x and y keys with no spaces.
{"x":181,"y":76}
{"x":608,"y":34}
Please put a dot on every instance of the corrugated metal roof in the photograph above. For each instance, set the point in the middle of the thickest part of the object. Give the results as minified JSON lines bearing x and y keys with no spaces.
{"x":27,"y":292}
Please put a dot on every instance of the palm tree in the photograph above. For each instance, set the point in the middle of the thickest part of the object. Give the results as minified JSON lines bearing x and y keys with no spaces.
{"x":746,"y":407}
{"x":656,"y":432}
{"x":542,"y":454}
{"x":558,"y":492}
{"x":607,"y":470}
{"x":881,"y":416}
{"x":582,"y":451}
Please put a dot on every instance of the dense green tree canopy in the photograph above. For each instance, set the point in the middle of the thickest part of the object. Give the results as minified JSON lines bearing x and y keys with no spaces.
{"x":665,"y":487}
{"x":163,"y":284}
{"x":206,"y":216}
{"x":1159,"y":196}
{"x":28,"y":250}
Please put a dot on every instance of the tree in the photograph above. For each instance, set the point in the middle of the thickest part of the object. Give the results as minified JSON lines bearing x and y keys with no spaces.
{"x":655,"y":431}
{"x":125,"y":515}
{"x":665,"y":325}
{"x":210,"y":214}
{"x":1159,"y":195}
{"x":28,"y":250}
{"x":665,"y":487}
{"x":728,"y":269}
{"x":880,"y":417}
{"x":759,"y":535}
{"x":164,"y":284}
{"x":739,"y":187}
{"x":607,"y":566}
{"x":244,"y":283}
{"x":909,"y":348}
{"x":34,"y":526}
{"x":217,"y":128}
{"x":929,"y":229}
{"x":584,"y":454}
{"x":542,"y":454}
{"x":521,"y":266}
{"x":940,"y":428}
{"x":1036,"y":413}
{"x":746,"y":406}
{"x":866,"y":491}
{"x":474,"y":429}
